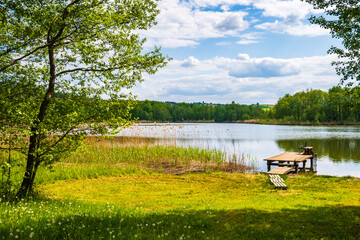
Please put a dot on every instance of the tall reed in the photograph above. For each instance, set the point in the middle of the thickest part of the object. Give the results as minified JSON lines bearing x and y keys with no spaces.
{"x":102,"y":156}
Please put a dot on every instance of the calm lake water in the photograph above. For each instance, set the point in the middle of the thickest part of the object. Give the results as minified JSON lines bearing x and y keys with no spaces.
{"x":338,"y":148}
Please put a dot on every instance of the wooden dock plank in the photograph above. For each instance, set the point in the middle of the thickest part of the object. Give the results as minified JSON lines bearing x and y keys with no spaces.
{"x":289,"y":156}
{"x":280,"y":170}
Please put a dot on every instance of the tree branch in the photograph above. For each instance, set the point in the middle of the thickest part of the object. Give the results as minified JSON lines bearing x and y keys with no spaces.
{"x":24,"y":56}
{"x":63,"y":15}
{"x":86,"y":70}
{"x":49,"y":42}
{"x":59,"y":140}
{"x":6,"y":149}
{"x":10,"y":49}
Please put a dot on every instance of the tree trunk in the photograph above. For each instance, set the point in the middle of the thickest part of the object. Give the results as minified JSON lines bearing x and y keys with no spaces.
{"x":31,"y":183}
{"x":25,"y":185}
{"x":33,"y":162}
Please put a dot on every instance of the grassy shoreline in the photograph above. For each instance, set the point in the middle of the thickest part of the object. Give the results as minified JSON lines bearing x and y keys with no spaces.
{"x":101,"y":156}
{"x":107,"y":191}
{"x":270,"y":122}
{"x":307,"y":123}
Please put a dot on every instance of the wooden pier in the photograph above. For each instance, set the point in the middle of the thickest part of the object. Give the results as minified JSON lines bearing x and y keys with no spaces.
{"x":289,"y":161}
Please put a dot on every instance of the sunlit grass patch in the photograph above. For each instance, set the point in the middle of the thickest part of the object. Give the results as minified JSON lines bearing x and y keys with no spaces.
{"x":160,"y":192}
{"x":191,"y":206}
{"x":163,"y":192}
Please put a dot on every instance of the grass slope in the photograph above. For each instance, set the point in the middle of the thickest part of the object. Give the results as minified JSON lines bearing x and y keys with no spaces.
{"x":103,"y":192}
{"x":191,"y":206}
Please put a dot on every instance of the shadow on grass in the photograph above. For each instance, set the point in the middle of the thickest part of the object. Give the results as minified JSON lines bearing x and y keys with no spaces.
{"x":75,"y":222}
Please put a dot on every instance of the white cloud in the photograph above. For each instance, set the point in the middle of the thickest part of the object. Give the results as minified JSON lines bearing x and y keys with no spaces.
{"x":223,"y":43}
{"x":263,"y":69}
{"x":292,"y":14}
{"x":225,"y":8}
{"x":284,"y":9}
{"x":171,"y":42}
{"x":243,"y":79}
{"x":243,"y":57}
{"x":232,"y":22}
{"x":215,"y":3}
{"x":190,"y":62}
{"x":186,"y":23}
{"x":296,"y":28}
{"x":179,"y":25}
{"x":246,"y":42}
{"x":249,"y":38}
{"x":246,"y":67}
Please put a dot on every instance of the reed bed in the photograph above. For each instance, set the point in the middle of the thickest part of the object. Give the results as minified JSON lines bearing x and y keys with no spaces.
{"x":104,"y":156}
{"x":141,"y":154}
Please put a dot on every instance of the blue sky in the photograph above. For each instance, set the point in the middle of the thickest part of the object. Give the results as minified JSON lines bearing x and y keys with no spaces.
{"x":246,"y":51}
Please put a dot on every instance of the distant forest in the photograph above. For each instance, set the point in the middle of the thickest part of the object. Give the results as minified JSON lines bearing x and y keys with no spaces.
{"x":336,"y":105}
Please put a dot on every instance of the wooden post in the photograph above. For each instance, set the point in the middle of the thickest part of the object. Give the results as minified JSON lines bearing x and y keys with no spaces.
{"x":268,"y":165}
{"x":308,"y":151}
{"x":304,"y":166}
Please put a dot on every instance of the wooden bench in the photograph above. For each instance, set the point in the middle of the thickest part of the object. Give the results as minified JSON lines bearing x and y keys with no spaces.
{"x":277,"y":181}
{"x":280,"y":170}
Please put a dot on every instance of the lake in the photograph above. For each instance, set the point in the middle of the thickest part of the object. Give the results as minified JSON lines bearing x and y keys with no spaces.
{"x":338,"y":148}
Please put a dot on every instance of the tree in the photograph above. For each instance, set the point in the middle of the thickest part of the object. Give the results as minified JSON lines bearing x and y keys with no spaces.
{"x":345,"y":26}
{"x":58,"y":61}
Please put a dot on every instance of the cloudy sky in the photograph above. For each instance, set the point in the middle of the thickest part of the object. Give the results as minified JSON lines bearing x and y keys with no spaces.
{"x":246,"y":51}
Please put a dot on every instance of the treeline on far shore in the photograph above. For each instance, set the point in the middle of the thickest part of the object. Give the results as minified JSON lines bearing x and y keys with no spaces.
{"x":337,"y":105}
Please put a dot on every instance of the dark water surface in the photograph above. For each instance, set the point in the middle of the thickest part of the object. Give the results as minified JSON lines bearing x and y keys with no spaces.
{"x":338,"y":148}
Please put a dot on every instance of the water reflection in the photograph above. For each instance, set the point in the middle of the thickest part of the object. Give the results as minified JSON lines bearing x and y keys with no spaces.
{"x":337,"y":147}
{"x":336,"y":150}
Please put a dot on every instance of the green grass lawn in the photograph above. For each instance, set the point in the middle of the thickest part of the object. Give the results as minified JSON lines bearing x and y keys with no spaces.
{"x":137,"y":202}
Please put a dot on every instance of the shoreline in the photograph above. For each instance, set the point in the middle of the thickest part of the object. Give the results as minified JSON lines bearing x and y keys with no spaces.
{"x":265,"y":122}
